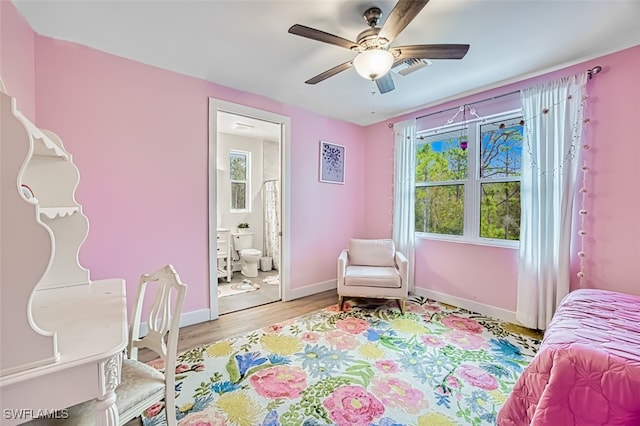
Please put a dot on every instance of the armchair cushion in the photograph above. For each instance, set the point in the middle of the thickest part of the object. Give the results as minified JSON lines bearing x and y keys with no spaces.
{"x":371,"y":252}
{"x":372,"y":276}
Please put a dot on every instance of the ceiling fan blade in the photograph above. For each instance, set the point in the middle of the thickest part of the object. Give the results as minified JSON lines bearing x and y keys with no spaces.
{"x":329,"y":73}
{"x":322,"y":36}
{"x":430,"y":51}
{"x":401,"y":15}
{"x":385,"y":83}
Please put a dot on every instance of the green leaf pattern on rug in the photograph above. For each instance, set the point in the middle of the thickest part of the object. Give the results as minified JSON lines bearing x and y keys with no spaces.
{"x":369,"y":365}
{"x":310,"y":404}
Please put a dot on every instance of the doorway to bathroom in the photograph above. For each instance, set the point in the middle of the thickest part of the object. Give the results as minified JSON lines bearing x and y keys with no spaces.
{"x":248,"y":218}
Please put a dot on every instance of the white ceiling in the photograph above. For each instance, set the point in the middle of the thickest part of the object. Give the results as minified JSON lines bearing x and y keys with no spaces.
{"x":248,"y":127}
{"x":244,"y":44}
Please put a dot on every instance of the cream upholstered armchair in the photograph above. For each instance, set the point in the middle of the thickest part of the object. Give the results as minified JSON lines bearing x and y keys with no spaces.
{"x":373,"y":268}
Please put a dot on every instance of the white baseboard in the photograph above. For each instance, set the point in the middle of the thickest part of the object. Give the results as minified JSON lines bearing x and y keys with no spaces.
{"x":470,"y":305}
{"x":202,"y":315}
{"x":194,"y":317}
{"x":188,"y":318}
{"x":309,"y":290}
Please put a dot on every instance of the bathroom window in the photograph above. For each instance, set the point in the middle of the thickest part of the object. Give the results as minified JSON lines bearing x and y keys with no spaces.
{"x":239,"y":163}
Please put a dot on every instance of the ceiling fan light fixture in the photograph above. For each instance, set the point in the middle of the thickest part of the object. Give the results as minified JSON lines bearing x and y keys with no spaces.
{"x":373,"y":63}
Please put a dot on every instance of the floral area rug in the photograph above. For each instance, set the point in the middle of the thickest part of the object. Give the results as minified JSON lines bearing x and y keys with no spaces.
{"x":367,"y":365}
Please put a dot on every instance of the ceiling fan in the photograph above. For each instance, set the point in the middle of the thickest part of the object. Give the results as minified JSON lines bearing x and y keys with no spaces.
{"x":376,"y":57}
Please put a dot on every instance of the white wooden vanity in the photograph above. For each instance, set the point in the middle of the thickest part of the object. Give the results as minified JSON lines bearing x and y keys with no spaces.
{"x":62,"y":335}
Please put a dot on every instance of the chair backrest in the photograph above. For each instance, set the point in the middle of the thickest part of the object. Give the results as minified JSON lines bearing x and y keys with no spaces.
{"x":163,"y":319}
{"x":372,"y":252}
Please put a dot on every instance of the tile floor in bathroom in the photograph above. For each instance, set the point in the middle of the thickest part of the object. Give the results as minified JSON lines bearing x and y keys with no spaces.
{"x":266,"y":294}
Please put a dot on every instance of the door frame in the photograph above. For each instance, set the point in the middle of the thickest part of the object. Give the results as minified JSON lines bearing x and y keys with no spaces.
{"x":219,"y":105}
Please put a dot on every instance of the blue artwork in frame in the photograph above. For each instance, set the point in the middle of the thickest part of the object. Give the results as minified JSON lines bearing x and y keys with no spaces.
{"x":332,"y":162}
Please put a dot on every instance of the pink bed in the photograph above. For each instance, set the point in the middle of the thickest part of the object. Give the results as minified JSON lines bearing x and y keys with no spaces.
{"x":587,"y":370}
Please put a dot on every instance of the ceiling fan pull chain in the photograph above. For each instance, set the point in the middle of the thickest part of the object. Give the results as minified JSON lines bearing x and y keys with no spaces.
{"x":373,"y":94}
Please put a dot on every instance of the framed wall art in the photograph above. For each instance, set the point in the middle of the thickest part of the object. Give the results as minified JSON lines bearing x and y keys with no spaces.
{"x":332,"y":162}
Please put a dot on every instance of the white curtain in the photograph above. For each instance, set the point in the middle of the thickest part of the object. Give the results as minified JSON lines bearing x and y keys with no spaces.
{"x":272,"y":222}
{"x":404,"y":193}
{"x":553,"y":115}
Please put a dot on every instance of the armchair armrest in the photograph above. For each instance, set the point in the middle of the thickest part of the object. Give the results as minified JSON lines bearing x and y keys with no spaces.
{"x":403,"y":265}
{"x":343,"y":261}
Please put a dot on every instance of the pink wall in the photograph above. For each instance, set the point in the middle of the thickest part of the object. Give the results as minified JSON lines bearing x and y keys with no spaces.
{"x":139,"y":136}
{"x":613,"y":225}
{"x":17,"y":58}
{"x":489,"y":275}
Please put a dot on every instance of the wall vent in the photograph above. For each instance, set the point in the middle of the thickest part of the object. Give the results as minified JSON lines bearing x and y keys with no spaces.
{"x":410,"y":65}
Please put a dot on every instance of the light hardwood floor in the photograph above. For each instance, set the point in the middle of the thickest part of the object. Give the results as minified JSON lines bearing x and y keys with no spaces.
{"x":240,"y":322}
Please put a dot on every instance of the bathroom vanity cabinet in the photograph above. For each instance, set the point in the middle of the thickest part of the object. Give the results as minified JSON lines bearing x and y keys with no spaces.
{"x":224,"y":254}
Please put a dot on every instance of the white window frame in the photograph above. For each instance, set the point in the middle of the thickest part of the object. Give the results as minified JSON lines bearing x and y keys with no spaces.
{"x":246,"y":181}
{"x":472,"y":183}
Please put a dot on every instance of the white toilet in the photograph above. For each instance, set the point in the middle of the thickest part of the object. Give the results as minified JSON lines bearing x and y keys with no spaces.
{"x":250,"y":257}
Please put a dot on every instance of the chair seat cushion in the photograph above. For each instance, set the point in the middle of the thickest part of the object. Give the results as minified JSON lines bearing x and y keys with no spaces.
{"x":372,"y":276}
{"x":139,"y":382}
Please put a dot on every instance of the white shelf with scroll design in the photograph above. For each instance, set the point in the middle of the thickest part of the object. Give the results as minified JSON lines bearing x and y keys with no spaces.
{"x":62,"y":334}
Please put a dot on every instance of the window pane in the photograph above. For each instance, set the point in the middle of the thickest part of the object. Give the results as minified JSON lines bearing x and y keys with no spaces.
{"x":501,"y":148}
{"x":500,"y":210}
{"x":238,"y":192}
{"x":440,"y":158}
{"x":440,"y":209}
{"x":238,"y":166}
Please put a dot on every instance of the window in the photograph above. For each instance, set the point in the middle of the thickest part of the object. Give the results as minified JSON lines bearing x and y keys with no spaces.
{"x":239,"y":169}
{"x":468,"y":180}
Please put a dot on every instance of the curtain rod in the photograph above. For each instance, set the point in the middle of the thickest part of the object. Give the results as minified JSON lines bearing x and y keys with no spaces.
{"x":590,"y":73}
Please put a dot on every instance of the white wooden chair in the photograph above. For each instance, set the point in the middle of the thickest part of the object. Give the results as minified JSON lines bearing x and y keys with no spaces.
{"x":141,"y":385}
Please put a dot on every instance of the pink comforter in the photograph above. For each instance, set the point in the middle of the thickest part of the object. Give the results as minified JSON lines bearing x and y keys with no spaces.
{"x":587,"y":371}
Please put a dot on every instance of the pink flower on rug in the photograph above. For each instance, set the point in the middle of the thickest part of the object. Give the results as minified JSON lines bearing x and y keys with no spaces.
{"x":431,"y":340}
{"x":341,"y":340}
{"x":197,"y":367}
{"x":387,"y":366}
{"x":273,"y":328}
{"x":477,"y":377}
{"x":466,"y":341}
{"x":279,"y":382}
{"x":442,"y":390}
{"x":414,"y":307}
{"x":453,"y":382}
{"x":353,"y":406}
{"x":353,"y":325}
{"x":154,"y":410}
{"x":346,"y":307}
{"x":208,"y":417}
{"x":432,"y":308}
{"x":181,"y":368}
{"x":399,"y":394}
{"x":158,"y":364}
{"x":462,"y":324}
{"x":310,"y":337}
